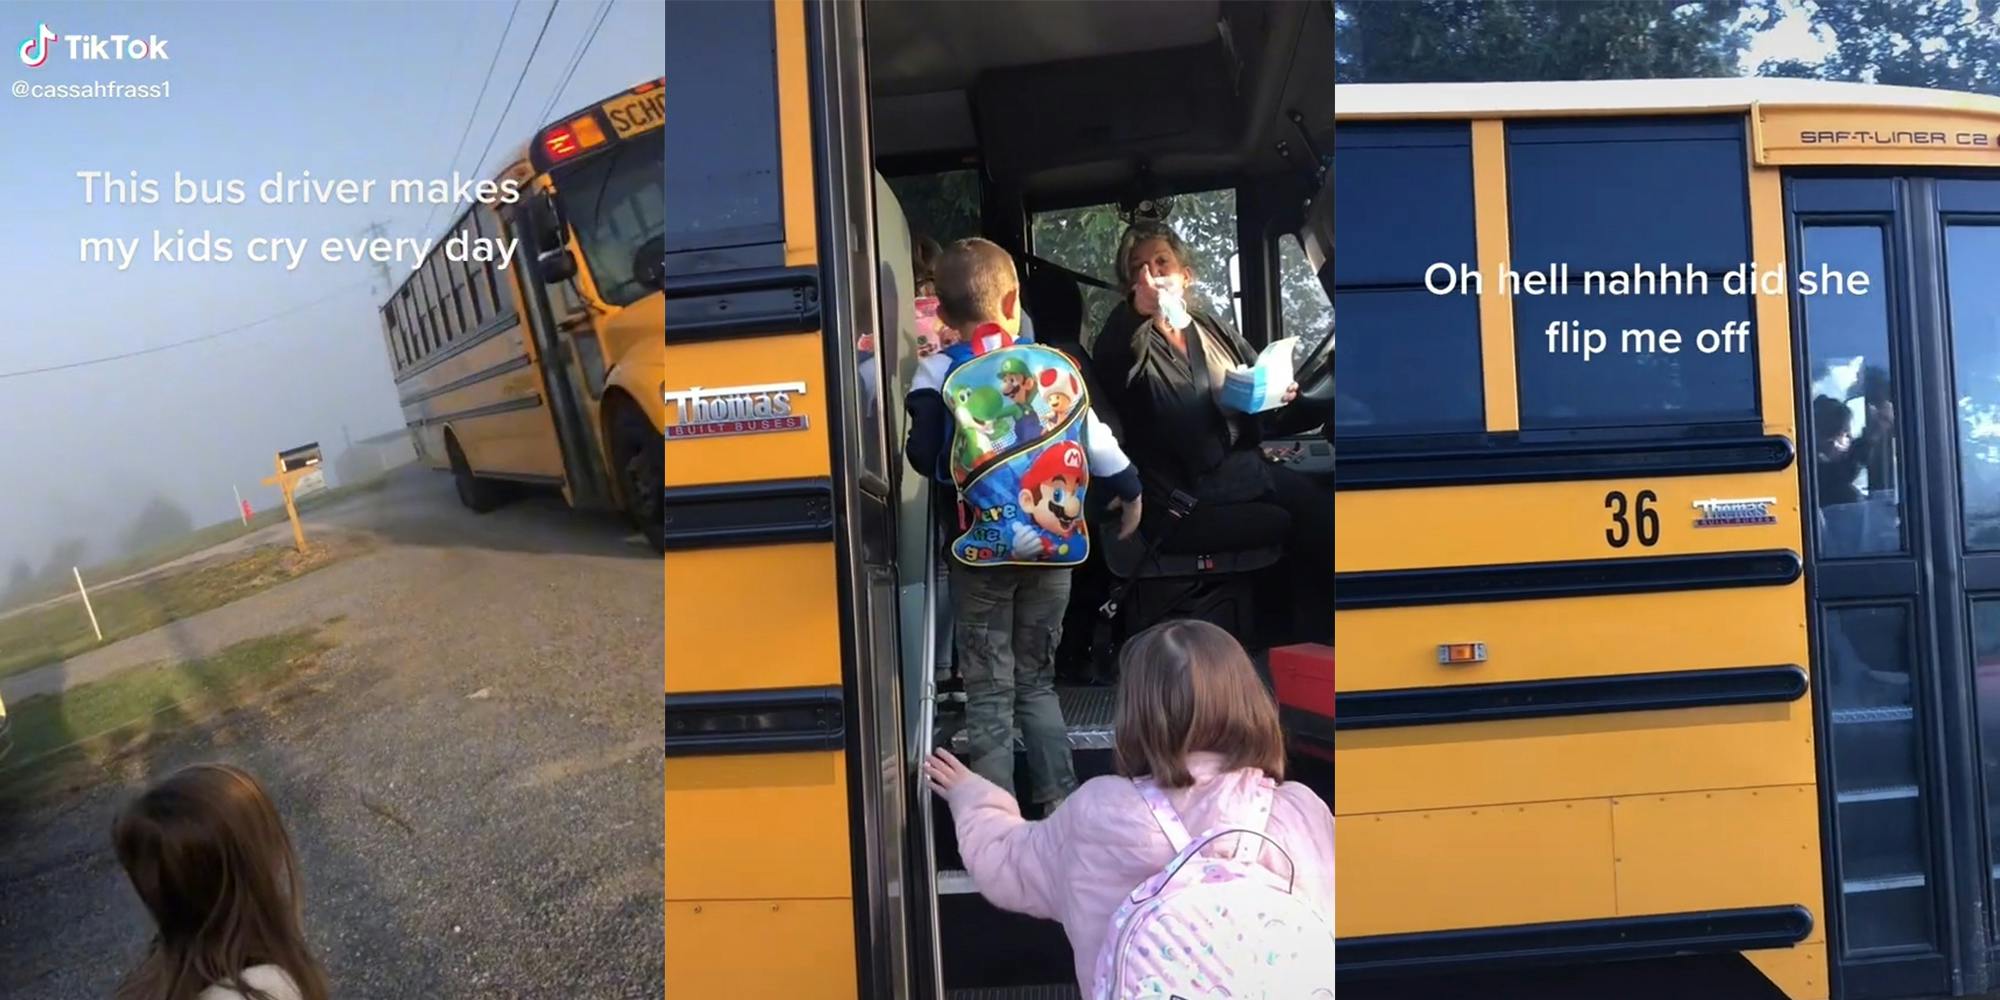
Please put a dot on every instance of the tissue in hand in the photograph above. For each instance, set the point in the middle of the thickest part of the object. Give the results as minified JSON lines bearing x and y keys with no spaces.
{"x":1260,"y":387}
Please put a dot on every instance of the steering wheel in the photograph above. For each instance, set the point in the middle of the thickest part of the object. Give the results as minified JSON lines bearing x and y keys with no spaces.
{"x":1314,"y":370}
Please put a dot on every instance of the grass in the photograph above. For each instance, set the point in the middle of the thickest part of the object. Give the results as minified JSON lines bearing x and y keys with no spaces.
{"x":187,"y":545}
{"x":94,"y":722}
{"x":59,"y":631}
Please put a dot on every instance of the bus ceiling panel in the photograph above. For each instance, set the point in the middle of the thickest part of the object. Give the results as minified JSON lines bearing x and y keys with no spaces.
{"x":914,"y":124}
{"x":1059,"y":96}
{"x":1118,"y":107}
{"x":920,"y":46}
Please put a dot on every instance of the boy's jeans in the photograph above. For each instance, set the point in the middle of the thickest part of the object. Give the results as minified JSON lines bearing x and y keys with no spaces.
{"x":1009,"y":621}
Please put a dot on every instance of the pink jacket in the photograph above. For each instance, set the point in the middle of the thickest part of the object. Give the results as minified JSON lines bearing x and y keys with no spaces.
{"x":1077,"y":865}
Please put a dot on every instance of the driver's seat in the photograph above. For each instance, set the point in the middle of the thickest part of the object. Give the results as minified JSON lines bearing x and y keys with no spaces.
{"x":1189,"y":560}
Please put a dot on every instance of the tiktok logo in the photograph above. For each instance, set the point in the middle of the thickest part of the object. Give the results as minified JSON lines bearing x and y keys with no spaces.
{"x":35,"y":51}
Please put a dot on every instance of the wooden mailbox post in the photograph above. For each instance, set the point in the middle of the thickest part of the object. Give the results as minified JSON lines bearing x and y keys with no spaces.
{"x":294,"y":467}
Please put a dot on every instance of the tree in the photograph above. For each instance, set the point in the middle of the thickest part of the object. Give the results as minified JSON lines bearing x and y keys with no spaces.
{"x":1944,"y":44}
{"x":1085,"y":240}
{"x":66,"y":554}
{"x":1465,"y":40}
{"x":943,"y":206}
{"x":159,"y":520}
{"x":20,"y":577}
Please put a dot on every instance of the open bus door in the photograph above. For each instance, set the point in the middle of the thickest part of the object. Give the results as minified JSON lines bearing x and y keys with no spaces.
{"x":786,"y":774}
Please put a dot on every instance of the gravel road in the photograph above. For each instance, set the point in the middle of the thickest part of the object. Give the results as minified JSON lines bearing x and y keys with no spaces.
{"x":473,"y":774}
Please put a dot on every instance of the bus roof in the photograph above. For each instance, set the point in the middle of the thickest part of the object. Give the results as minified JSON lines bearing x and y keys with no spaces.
{"x":1565,"y":98}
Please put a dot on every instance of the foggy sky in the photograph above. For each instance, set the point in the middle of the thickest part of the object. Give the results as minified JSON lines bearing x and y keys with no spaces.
{"x":361,"y":90}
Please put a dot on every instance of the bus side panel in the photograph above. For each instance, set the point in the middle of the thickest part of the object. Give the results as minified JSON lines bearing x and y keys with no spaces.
{"x":1392,"y":648}
{"x":1800,"y":971}
{"x":743,"y":950}
{"x":712,"y":853}
{"x":497,"y":371}
{"x":1448,"y":868}
{"x":1540,"y":760}
{"x":1483,"y":525}
{"x":1672,"y":860}
{"x":1582,"y":859}
{"x":748,"y":457}
{"x":753,"y":617}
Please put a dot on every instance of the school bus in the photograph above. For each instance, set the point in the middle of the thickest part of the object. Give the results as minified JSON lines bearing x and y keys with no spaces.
{"x":807,"y":145}
{"x":568,"y":399}
{"x":1653,"y":652}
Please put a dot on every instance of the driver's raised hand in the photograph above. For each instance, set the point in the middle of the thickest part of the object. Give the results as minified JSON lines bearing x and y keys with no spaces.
{"x":1145,"y":295}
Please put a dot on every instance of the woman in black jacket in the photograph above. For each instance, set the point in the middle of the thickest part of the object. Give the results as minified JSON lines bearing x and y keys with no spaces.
{"x":1161,"y":361}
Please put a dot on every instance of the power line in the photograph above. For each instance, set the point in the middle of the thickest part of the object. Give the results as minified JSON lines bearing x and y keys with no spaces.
{"x":480,"y":163}
{"x":575,"y":61}
{"x":473,"y":115}
{"x":301,"y":307}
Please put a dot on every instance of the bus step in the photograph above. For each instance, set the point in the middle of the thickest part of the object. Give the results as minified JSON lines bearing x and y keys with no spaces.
{"x":954,"y":882}
{"x":1060,"y":991}
{"x":1086,"y":713}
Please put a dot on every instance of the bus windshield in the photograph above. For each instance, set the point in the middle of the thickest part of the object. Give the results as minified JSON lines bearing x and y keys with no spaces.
{"x":615,"y":204}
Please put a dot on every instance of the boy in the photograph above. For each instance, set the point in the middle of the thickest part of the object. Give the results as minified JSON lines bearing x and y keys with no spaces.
{"x":1019,"y":473}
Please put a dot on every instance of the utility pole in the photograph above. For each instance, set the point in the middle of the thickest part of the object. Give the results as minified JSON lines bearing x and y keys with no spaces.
{"x":377,"y":230}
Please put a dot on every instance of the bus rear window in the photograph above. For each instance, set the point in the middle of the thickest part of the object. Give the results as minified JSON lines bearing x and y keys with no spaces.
{"x":1665,"y":197}
{"x":1402,"y":200}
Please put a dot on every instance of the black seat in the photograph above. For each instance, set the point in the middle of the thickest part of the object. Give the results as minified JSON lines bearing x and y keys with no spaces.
{"x":1055,"y":304}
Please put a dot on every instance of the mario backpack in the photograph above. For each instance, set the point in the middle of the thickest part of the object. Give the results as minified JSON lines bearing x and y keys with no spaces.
{"x":1017,"y":455}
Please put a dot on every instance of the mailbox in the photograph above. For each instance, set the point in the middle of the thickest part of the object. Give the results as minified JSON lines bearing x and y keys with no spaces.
{"x":303,"y":460}
{"x":298,"y":458}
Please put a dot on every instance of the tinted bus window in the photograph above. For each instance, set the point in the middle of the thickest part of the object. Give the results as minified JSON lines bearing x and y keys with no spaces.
{"x":1402,"y":201}
{"x":722,"y":127}
{"x":1661,"y":195}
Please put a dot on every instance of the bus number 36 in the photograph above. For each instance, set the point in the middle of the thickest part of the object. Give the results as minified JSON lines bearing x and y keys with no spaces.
{"x":1620,"y":532}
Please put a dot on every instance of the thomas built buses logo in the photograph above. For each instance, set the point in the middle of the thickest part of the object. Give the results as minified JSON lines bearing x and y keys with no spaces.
{"x":36,"y":48}
{"x":743,"y":409}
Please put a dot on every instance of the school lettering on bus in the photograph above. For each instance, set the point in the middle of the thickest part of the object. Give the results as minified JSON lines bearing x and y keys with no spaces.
{"x":637,"y":113}
{"x":743,"y":409}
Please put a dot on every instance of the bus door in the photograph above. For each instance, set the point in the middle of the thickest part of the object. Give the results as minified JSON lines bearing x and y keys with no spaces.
{"x":1900,"y":454}
{"x":555,"y":312}
{"x":785,"y":780}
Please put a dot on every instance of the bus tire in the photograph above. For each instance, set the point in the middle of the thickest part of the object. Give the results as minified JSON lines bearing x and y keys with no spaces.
{"x":478,"y":495}
{"x":640,"y":454}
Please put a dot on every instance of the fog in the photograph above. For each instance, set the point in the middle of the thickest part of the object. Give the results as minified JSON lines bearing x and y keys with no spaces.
{"x":111,"y":453}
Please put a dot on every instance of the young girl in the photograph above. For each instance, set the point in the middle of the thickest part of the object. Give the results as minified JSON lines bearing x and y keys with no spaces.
{"x":1194,"y":718}
{"x":210,"y":858}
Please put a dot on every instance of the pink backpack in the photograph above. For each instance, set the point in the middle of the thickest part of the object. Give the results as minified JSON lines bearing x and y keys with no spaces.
{"x":1230,"y":928}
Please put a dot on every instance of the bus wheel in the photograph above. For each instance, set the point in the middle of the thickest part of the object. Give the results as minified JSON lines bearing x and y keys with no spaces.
{"x":642,"y":470}
{"x":478,"y":495}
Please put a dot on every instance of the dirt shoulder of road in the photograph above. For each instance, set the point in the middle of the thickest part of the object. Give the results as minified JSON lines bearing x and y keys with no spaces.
{"x":53,"y":633}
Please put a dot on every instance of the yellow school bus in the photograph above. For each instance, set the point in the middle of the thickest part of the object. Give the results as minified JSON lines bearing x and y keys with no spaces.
{"x":1667,"y":586}
{"x":808,"y":145}
{"x":570,"y":397}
